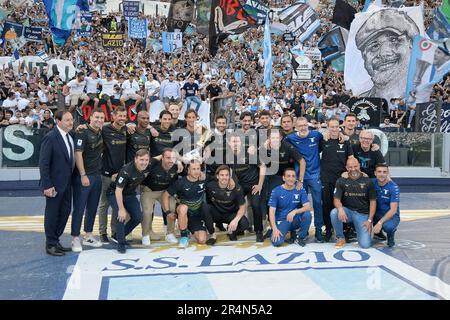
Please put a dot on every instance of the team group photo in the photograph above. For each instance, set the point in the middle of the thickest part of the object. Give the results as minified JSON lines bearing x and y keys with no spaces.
{"x":158,"y":150}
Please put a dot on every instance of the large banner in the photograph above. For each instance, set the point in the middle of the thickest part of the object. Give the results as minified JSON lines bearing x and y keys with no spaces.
{"x":257,"y":10}
{"x":83,"y":25}
{"x":367,"y":110}
{"x":21,"y":146}
{"x":32,"y":33}
{"x":180,"y":15}
{"x":172,"y":41}
{"x":112,"y":40}
{"x":129,"y":106}
{"x":228,"y":17}
{"x":433,"y":117}
{"x":378,"y":51}
{"x":430,"y":62}
{"x":131,"y":9}
{"x":300,"y":19}
{"x":65,"y":67}
{"x":13,"y":31}
{"x":301,"y":68}
{"x":137,"y":28}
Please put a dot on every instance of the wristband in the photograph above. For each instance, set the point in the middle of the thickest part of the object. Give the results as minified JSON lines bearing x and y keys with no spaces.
{"x":369,"y":220}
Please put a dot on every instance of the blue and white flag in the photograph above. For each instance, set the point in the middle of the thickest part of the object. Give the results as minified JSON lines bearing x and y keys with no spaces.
{"x":172,"y":41}
{"x":267,"y":50}
{"x":137,"y":28}
{"x":429,"y":63}
{"x":300,"y":19}
{"x":43,"y":55}
{"x":61,"y":17}
{"x":439,"y":28}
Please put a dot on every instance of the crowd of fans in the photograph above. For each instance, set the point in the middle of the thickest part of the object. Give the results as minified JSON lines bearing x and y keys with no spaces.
{"x":139,"y":69}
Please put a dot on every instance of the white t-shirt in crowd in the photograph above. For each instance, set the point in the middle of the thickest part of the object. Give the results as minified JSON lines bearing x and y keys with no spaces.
{"x":108,"y":86}
{"x":151,"y":87}
{"x":130,"y":88}
{"x":76,"y":87}
{"x":264,"y":100}
{"x":92,"y":84}
{"x":9,"y":104}
{"x":22,"y":103}
{"x":42,"y":96}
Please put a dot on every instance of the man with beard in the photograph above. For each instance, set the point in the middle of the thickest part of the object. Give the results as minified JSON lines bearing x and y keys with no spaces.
{"x":250,"y":173}
{"x":114,"y":153}
{"x":214,"y":154}
{"x":162,"y":173}
{"x":225,"y":205}
{"x":163,"y":138}
{"x":385,"y":41}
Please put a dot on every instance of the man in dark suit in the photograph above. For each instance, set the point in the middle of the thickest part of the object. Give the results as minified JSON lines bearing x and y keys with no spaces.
{"x":56,"y":163}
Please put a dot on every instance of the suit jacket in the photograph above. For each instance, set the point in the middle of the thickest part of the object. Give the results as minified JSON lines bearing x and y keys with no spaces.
{"x":54,"y":163}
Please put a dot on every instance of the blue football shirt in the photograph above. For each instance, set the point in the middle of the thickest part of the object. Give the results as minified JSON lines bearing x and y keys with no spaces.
{"x":284,"y":201}
{"x":309,"y":148}
{"x":386,"y":194}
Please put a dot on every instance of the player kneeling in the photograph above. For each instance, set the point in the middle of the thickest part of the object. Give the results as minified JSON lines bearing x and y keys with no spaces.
{"x":289,"y":211}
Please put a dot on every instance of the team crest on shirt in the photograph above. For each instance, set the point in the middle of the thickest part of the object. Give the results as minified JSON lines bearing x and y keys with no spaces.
{"x":172,"y":175}
{"x":282,"y":154}
{"x":312,"y":139}
{"x":296,"y":196}
{"x":228,"y":193}
{"x":362,"y":185}
{"x":146,"y":174}
{"x":386,"y":192}
{"x":201,"y":185}
{"x":341,"y":146}
{"x":79,"y":142}
{"x":120,"y":180}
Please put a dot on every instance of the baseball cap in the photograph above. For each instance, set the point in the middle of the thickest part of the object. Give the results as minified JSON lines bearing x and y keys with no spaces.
{"x":386,"y":20}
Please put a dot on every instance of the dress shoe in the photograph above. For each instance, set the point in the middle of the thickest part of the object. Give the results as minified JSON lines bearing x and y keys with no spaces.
{"x":53,"y":251}
{"x":61,"y":248}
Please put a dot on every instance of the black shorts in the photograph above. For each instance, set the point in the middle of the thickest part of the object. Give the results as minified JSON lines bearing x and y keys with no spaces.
{"x":196,"y":223}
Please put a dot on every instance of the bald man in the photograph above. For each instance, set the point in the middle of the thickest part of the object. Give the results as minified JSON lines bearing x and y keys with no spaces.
{"x":355,"y":200}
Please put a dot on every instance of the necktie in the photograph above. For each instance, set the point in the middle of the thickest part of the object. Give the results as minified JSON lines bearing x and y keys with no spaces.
{"x":70,"y":149}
